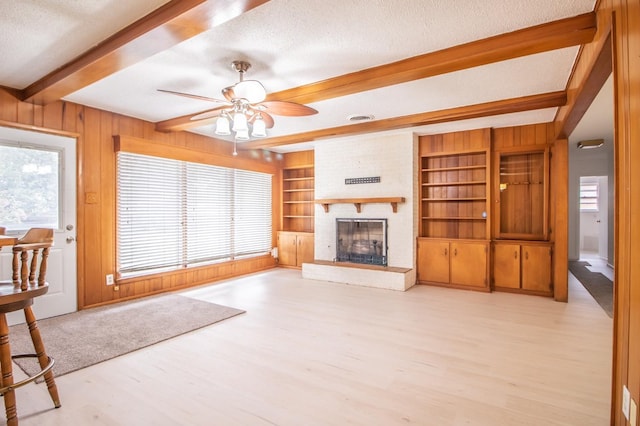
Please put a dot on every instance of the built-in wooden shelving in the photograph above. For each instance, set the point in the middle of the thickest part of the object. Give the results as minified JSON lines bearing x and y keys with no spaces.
{"x":454,"y":194}
{"x":297,"y":198}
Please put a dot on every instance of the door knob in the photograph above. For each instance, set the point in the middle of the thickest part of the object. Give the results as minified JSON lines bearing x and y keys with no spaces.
{"x":70,"y":240}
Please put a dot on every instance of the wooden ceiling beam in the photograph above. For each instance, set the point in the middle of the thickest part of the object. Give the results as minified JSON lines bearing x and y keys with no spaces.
{"x":505,"y":106}
{"x":554,"y":35}
{"x":172,"y":23}
{"x":540,"y":38}
{"x":584,"y":87}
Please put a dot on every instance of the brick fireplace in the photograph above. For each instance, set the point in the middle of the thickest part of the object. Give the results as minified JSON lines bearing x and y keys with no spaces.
{"x":392,"y":158}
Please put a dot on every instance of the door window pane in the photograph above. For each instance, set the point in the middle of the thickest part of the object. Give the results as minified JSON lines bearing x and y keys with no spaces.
{"x":29,"y":187}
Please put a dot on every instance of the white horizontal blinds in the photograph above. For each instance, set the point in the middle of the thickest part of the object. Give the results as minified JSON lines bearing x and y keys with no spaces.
{"x":209,"y":213}
{"x":150,"y":197}
{"x":252,"y":213}
{"x":174,"y":214}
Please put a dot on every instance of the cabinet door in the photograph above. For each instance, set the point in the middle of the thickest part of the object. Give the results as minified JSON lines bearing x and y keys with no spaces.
{"x":536,"y":268}
{"x":506,"y":265}
{"x":433,"y":261}
{"x":523,"y":194}
{"x":287,"y":245}
{"x":305,"y":249}
{"x":469,"y":264}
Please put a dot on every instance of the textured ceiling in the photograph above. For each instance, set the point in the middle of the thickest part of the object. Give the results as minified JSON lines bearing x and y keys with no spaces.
{"x":292,"y":43}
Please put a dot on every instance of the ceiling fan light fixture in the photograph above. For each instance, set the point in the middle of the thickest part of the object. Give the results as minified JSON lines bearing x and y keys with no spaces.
{"x":222,"y":126}
{"x":240,"y":122}
{"x":251,"y":90}
{"x":244,"y":110}
{"x":242,"y":135}
{"x":259,"y":128}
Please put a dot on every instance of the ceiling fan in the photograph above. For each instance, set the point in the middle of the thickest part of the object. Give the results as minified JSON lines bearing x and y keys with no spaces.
{"x":243,"y":105}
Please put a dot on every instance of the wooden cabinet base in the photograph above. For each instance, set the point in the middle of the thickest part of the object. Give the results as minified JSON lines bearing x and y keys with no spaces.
{"x":523,"y":267}
{"x":295,"y":248}
{"x":460,"y":264}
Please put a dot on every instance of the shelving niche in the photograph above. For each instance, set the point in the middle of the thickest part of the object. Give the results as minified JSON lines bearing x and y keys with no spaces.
{"x":455,"y":188}
{"x":298,"y":199}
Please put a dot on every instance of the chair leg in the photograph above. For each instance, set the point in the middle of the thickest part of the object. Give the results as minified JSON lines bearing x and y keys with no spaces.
{"x":7,"y":373}
{"x":43,"y":359}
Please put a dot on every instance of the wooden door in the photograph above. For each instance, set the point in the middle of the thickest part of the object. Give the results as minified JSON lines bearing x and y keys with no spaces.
{"x":536,"y":268}
{"x":287,"y":245}
{"x":305,"y":249}
{"x":469,"y":263}
{"x":433,"y":261}
{"x":506,"y":265}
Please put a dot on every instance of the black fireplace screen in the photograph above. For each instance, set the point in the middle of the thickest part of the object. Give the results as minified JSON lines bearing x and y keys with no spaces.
{"x":361,"y":241}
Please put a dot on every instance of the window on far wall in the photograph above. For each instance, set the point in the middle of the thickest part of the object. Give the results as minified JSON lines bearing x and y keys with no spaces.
{"x":176,"y":214}
{"x":588,"y":196}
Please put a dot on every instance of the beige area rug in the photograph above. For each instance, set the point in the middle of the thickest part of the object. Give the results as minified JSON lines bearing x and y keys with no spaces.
{"x":87,"y":337}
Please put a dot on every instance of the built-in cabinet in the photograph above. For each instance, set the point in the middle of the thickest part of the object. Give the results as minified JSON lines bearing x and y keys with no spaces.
{"x":296,"y":238}
{"x":523,"y":266}
{"x":295,"y":248}
{"x":485,"y":210}
{"x":455,"y":187}
{"x":456,"y":263}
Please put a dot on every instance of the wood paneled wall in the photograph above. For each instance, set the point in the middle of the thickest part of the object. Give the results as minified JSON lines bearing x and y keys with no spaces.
{"x":96,"y":232}
{"x":620,"y":19}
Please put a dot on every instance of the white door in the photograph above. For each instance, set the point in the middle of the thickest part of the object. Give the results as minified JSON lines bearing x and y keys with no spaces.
{"x":38,"y":189}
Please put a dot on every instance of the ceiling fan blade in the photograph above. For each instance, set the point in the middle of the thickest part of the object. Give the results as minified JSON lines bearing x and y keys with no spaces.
{"x":189,"y":95}
{"x":228,"y":93}
{"x":287,"y":108}
{"x":208,"y":114}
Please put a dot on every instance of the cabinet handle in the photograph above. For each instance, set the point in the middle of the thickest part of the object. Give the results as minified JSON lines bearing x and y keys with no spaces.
{"x":515,"y":254}
{"x":455,"y":251}
{"x":445,"y":252}
{"x":526,"y":255}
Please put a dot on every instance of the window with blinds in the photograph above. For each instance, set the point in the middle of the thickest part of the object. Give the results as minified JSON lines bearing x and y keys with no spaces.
{"x":176,"y":214}
{"x":588,"y":196}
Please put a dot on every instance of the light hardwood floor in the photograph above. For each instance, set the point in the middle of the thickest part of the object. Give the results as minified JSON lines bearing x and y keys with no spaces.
{"x":317,"y":353}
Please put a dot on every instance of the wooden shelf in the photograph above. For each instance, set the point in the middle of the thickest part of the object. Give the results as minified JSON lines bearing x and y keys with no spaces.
{"x":454,"y":218}
{"x":359,"y":201}
{"x":455,"y":199}
{"x":298,"y":179}
{"x":471,"y":182}
{"x":298,"y":190}
{"x":449,"y":169}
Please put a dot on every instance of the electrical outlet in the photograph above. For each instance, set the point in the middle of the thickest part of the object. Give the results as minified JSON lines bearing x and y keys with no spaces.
{"x":109,"y":279}
{"x":626,"y":401}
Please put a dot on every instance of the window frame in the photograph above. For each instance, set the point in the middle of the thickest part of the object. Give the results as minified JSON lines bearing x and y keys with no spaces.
{"x":180,"y":154}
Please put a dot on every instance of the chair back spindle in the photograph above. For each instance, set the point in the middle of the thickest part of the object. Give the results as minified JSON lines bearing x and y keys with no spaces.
{"x":36,"y":242}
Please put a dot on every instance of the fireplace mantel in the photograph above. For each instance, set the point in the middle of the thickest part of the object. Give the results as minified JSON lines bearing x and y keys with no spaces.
{"x":359,"y":201}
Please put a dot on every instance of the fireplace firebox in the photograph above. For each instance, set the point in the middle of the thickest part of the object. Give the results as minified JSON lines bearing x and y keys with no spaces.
{"x":361,"y":241}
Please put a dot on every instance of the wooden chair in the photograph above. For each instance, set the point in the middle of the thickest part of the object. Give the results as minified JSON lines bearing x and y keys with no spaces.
{"x":28,"y":282}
